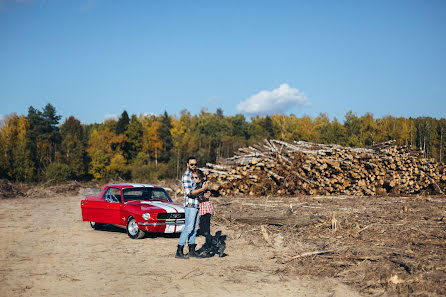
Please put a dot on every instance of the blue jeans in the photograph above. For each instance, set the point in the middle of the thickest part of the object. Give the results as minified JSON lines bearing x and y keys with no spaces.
{"x":191,"y":226}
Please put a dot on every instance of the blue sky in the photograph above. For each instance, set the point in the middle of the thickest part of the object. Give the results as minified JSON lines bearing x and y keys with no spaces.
{"x":94,"y":59}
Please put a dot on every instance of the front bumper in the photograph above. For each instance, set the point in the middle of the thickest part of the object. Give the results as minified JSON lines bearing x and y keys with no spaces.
{"x":168,"y":226}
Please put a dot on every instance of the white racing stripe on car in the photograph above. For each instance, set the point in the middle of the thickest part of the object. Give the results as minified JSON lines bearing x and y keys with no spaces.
{"x":162,"y":205}
{"x":167,"y":207}
{"x":177,"y":208}
{"x":170,"y":208}
{"x":170,"y":229}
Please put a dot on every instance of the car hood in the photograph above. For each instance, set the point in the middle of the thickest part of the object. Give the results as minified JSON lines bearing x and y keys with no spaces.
{"x":158,"y":206}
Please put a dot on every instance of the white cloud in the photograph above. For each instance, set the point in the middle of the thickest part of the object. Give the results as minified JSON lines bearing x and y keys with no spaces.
{"x":149,"y":115}
{"x":276,"y":101}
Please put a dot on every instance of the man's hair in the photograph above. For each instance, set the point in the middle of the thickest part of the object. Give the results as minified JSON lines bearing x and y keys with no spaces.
{"x":190,"y":158}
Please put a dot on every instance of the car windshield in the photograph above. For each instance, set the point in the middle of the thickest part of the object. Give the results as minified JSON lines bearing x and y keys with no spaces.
{"x":147,"y":194}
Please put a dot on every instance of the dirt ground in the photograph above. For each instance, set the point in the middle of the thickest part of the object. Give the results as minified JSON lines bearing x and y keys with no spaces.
{"x":303,"y":246}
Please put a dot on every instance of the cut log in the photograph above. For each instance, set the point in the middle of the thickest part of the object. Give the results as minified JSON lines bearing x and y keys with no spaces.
{"x":276,"y":167}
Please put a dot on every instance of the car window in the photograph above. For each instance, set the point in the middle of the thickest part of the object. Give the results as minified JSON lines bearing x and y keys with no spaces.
{"x":147,"y":194}
{"x":158,"y":195}
{"x":112,"y":195}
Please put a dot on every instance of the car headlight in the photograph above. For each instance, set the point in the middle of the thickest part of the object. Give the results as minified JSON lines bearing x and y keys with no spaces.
{"x":146,"y":216}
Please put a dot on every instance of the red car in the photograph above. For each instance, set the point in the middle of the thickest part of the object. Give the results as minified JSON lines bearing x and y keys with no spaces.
{"x":139,"y":208}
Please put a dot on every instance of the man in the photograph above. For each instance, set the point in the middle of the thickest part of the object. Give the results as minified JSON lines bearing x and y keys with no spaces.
{"x":191,"y":209}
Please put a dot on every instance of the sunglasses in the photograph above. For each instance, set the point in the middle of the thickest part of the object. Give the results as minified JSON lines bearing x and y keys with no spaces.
{"x":195,"y":177}
{"x":192,"y":164}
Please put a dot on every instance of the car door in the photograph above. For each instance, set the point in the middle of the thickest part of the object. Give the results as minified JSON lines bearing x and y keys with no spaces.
{"x":92,"y":201}
{"x":105,"y":209}
{"x":112,"y":209}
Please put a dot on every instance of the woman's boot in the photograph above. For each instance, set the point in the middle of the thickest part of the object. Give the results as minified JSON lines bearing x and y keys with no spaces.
{"x":192,"y":252}
{"x":207,"y":247}
{"x":180,"y":254}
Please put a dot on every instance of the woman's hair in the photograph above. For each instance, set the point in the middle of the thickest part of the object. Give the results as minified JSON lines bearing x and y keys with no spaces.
{"x":200,"y":174}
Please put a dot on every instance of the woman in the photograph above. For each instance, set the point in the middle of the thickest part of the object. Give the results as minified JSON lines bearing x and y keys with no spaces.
{"x":206,"y":211}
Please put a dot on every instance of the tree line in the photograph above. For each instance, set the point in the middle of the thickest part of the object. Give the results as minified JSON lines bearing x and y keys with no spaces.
{"x":146,"y":148}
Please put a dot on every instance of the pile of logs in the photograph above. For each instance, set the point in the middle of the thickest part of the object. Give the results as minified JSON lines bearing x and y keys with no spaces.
{"x":280,"y":168}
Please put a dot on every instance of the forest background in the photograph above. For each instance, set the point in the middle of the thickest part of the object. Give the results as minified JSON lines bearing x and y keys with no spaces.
{"x":147,"y":148}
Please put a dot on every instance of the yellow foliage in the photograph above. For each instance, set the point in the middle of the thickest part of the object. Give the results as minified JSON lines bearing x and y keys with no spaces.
{"x":151,"y":140}
{"x":106,"y":141}
{"x":117,"y":164}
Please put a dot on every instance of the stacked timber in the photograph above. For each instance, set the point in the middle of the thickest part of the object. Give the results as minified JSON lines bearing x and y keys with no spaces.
{"x":280,"y":168}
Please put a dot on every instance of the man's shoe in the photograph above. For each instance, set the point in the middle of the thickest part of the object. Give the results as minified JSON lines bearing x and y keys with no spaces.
{"x":180,"y":254}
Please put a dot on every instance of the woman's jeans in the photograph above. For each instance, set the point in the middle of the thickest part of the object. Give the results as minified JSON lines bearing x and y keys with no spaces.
{"x":191,"y":226}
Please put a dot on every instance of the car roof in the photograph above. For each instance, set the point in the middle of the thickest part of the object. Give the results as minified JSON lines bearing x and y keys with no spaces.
{"x":132,"y":185}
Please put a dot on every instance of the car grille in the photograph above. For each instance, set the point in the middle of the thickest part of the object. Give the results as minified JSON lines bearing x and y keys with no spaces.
{"x":167,"y":216}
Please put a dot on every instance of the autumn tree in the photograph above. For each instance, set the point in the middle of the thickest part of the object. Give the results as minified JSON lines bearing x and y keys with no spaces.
{"x":15,"y":160}
{"x":152,"y":143}
{"x":441,"y":131}
{"x":106,"y":150}
{"x":181,"y":135}
{"x":35,"y":147}
{"x":352,"y":126}
{"x":427,"y":136}
{"x":134,"y":133}
{"x":368,"y":129}
{"x":73,"y":149}
{"x":305,"y":130}
{"x":322,"y":126}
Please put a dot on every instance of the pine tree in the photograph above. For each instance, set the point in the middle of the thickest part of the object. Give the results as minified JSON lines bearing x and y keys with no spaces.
{"x":73,"y":150}
{"x":268,"y":127}
{"x":164,"y":133}
{"x":123,"y":122}
{"x":134,"y":133}
{"x":43,"y":140}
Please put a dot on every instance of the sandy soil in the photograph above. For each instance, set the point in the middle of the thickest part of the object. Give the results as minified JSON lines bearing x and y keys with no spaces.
{"x":47,"y":250}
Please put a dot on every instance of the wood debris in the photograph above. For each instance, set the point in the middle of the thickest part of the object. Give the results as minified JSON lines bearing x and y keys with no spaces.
{"x":303,"y":168}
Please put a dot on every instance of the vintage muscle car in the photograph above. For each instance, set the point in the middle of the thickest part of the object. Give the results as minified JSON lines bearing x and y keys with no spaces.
{"x":139,"y":208}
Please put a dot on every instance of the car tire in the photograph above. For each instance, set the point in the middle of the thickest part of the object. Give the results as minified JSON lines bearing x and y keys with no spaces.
{"x":95,"y":225}
{"x":133,"y":230}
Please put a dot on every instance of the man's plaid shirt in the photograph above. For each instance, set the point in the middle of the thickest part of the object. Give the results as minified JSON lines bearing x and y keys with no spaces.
{"x":188,"y":186}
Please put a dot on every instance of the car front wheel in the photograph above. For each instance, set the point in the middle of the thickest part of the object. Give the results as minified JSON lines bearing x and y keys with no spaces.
{"x":95,"y":225}
{"x":133,"y":230}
